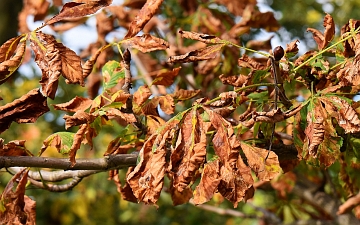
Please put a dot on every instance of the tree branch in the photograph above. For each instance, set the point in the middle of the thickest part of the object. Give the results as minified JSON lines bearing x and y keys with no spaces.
{"x":106,"y":163}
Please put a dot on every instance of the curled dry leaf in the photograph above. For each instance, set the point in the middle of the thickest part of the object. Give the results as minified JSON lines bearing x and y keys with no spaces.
{"x":206,"y":53}
{"x":88,"y":65}
{"x":146,"y":43}
{"x":314,"y":130}
{"x":17,"y":207}
{"x":291,"y":49}
{"x":74,"y":105}
{"x":127,"y":117}
{"x":236,"y":180}
{"x":13,"y":148}
{"x":78,"y":118}
{"x":166,"y":78}
{"x":78,"y":138}
{"x":147,"y":178}
{"x":190,"y":154}
{"x":72,"y":10}
{"x":349,"y":75}
{"x":236,"y":81}
{"x":206,"y":38}
{"x":323,"y":40}
{"x":247,"y":62}
{"x":141,"y":95}
{"x":264,"y":45}
{"x":10,"y":62}
{"x":167,"y":104}
{"x":145,"y":14}
{"x":210,"y":179}
{"x":182,"y":94}
{"x":264,"y":170}
{"x":23,"y":110}
{"x":342,"y":111}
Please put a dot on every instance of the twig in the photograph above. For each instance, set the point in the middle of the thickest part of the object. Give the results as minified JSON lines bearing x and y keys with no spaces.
{"x":56,"y":187}
{"x":268,"y":216}
{"x":107,"y":163}
{"x":228,"y":212}
{"x":55,"y":176}
{"x":349,"y":204}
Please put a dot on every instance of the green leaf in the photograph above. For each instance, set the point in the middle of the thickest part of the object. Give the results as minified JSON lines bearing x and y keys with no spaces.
{"x":112,"y":73}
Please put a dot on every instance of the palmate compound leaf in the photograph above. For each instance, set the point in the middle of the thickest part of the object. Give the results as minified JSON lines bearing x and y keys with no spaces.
{"x":9,"y":63}
{"x":206,"y":53}
{"x":145,"y":14}
{"x":146,"y":43}
{"x":236,"y":180}
{"x":188,"y":156}
{"x":23,"y":110}
{"x":72,"y":10}
{"x":16,"y":207}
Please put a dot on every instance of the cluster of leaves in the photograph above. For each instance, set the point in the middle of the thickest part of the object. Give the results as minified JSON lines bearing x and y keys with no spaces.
{"x":218,"y":144}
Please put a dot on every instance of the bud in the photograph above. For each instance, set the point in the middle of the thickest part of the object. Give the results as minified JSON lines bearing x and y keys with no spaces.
{"x":278,"y":53}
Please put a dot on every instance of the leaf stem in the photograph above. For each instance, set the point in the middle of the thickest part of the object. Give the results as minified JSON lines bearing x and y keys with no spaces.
{"x":247,"y":49}
{"x":325,"y":50}
{"x":241,"y":89}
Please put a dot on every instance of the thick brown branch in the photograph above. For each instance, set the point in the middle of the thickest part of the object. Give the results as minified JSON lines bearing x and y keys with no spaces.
{"x":106,"y":163}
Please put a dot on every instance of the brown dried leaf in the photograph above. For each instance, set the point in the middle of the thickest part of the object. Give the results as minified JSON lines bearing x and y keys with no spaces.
{"x":145,"y":14}
{"x":247,"y":62}
{"x":72,"y":10}
{"x":206,"y":53}
{"x":210,"y":179}
{"x":236,"y":81}
{"x":146,"y":43}
{"x":23,"y":110}
{"x":8,"y":48}
{"x":127,"y":117}
{"x":206,"y":38}
{"x":182,"y":94}
{"x":141,"y":95}
{"x":13,"y":148}
{"x":264,"y":170}
{"x":147,"y":179}
{"x":264,"y":45}
{"x":11,"y":62}
{"x":74,"y":105}
{"x":18,"y":208}
{"x":166,"y":78}
{"x":342,"y":111}
{"x":284,"y":184}
{"x":349,"y":74}
{"x":314,"y":130}
{"x":292,"y":49}
{"x":190,"y":154}
{"x":167,"y":104}
{"x":236,"y":7}
{"x":78,"y":138}
{"x":236,"y":182}
{"x":323,"y":40}
{"x":78,"y":118}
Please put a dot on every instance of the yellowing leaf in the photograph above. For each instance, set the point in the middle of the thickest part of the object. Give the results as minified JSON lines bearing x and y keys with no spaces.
{"x":141,"y":95}
{"x":10,"y":63}
{"x":182,"y":94}
{"x":166,"y":78}
{"x":264,"y":170}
